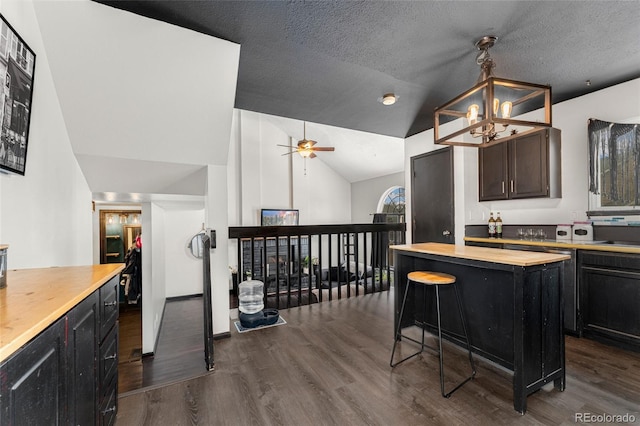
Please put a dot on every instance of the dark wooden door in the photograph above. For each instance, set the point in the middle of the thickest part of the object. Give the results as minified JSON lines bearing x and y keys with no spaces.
{"x":493,"y":169}
{"x":528,"y":165}
{"x":432,"y":206}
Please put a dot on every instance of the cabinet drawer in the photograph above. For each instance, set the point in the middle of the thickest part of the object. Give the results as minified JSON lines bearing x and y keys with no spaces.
{"x":108,"y":306}
{"x":618,"y":261}
{"x":108,"y":360}
{"x":109,"y":404}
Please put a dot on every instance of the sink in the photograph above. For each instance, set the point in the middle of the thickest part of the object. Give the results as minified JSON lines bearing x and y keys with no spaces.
{"x":620,"y":243}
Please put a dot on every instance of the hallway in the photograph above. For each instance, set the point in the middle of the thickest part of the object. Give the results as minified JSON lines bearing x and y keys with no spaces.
{"x":179,"y":353}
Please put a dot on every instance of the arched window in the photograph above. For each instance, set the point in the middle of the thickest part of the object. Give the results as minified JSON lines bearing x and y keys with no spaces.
{"x":392,"y":203}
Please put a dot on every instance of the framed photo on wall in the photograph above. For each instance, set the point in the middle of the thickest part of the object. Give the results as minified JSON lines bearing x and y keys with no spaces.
{"x":17,"y":65}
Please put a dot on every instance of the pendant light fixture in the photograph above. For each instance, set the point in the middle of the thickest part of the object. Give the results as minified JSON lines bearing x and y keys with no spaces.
{"x":483,"y":115}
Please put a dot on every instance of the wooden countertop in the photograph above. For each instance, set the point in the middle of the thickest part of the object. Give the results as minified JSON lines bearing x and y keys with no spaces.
{"x":582,"y":245}
{"x":485,"y":254}
{"x":3,"y":246}
{"x":36,"y":298}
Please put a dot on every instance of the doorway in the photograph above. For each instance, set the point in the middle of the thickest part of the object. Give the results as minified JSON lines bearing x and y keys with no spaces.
{"x":119,"y":230}
{"x":432,"y":197}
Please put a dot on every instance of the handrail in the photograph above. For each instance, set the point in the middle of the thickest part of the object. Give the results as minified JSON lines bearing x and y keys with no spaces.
{"x":206,"y":301}
{"x":335,"y":255}
{"x":283,"y":231}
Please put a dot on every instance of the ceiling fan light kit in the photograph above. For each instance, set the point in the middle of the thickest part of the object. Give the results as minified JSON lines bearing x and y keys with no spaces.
{"x":306,"y":147}
{"x":483,"y":115}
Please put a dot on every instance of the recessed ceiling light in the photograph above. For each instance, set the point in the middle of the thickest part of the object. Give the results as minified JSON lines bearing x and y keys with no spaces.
{"x":389,"y":99}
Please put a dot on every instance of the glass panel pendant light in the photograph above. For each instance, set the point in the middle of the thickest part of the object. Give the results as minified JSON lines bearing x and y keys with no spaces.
{"x":484,"y":115}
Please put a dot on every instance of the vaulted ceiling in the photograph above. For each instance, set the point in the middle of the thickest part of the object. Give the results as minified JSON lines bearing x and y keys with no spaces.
{"x":329,"y":62}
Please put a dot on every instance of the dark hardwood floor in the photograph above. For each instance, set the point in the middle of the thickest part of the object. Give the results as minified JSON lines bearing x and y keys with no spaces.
{"x":329,"y":365}
{"x":179,"y":354}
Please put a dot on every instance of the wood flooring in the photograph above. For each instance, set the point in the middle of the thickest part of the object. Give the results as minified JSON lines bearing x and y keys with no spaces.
{"x":179,"y":353}
{"x":329,"y":365}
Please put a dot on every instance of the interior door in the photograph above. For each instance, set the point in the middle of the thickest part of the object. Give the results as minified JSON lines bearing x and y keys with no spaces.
{"x":432,"y":205}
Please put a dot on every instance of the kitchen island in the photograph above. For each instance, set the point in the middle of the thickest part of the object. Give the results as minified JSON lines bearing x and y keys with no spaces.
{"x":512,"y":301}
{"x":58,"y":345}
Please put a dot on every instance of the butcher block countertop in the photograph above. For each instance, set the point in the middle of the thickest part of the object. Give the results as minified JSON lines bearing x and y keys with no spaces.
{"x":582,"y":245}
{"x":485,"y":254}
{"x":36,"y":298}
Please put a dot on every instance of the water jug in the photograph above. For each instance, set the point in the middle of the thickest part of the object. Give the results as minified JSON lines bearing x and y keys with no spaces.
{"x":251,"y":296}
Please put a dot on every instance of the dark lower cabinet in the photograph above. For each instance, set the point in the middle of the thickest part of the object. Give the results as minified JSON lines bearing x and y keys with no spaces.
{"x":68,"y":373}
{"x":82,"y":347}
{"x":33,"y":383}
{"x":610,"y":297}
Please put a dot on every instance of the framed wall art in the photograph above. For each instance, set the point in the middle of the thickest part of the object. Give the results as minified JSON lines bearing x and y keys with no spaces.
{"x":17,"y":65}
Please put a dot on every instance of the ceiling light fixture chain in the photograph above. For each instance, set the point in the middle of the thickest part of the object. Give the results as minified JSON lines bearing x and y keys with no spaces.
{"x":484,"y":58}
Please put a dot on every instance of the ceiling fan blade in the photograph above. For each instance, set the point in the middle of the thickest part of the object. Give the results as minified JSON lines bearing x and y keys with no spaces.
{"x":323,"y":148}
{"x":312,"y":155}
{"x":287,"y":146}
{"x":289,"y":153}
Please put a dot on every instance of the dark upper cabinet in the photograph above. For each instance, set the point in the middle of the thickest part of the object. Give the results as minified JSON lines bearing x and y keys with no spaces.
{"x":526,"y":167}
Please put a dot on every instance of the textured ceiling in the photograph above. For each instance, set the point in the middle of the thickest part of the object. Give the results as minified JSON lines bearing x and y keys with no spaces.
{"x":329,"y":62}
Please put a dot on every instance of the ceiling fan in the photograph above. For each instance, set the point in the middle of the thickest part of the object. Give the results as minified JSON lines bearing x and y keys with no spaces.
{"x":306,"y":147}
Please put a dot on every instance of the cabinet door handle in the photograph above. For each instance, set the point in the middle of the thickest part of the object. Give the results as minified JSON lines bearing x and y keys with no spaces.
{"x":114,"y":356}
{"x":114,"y":303}
{"x":108,"y":410}
{"x":512,"y":185}
{"x":503,"y":187}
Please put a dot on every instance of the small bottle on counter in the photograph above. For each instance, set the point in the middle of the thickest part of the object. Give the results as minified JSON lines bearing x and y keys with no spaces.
{"x":492,"y":226}
{"x":498,"y":226}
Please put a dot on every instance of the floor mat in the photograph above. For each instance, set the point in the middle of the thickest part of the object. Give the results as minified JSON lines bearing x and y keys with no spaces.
{"x":242,"y":329}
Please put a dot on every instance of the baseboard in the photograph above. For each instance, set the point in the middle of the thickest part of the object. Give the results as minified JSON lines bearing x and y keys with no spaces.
{"x":220,"y":336}
{"x":188,"y":296}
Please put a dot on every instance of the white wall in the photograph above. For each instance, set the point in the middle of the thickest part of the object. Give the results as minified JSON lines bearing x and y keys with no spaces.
{"x":153,"y":274}
{"x":618,"y":104}
{"x":365,"y":195}
{"x":217,"y":218}
{"x":260,"y":177}
{"x":183,"y":271}
{"x":45,"y":216}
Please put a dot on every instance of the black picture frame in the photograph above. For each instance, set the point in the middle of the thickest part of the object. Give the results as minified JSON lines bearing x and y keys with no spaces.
{"x":17,"y":67}
{"x":279,"y":217}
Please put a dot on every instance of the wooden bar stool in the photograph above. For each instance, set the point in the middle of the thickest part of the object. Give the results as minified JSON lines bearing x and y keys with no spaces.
{"x":436,"y":279}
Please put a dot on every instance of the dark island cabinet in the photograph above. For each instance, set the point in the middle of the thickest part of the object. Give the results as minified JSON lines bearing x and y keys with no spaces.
{"x":526,"y":167}
{"x":609,"y":285}
{"x":68,"y":373}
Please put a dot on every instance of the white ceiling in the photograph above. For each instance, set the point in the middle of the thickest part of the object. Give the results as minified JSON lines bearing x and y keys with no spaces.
{"x":358,"y":155}
{"x":146,"y":105}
